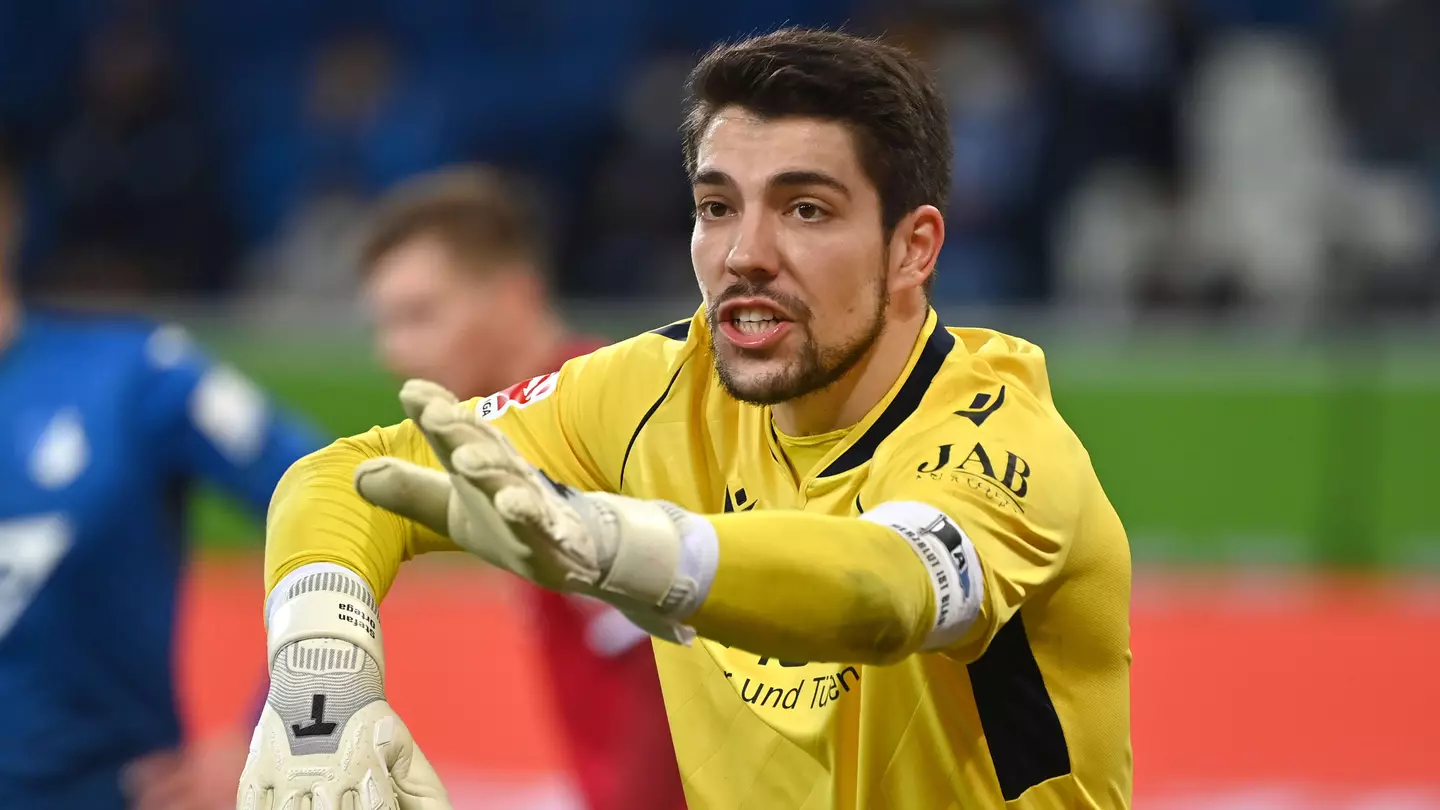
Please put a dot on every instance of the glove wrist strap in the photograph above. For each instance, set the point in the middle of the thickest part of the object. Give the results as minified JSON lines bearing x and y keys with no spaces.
{"x":646,"y":549}
{"x":324,"y":601}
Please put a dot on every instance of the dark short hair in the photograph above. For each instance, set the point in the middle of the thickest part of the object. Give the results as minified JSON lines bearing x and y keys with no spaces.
{"x":474,"y":211}
{"x":886,"y":98}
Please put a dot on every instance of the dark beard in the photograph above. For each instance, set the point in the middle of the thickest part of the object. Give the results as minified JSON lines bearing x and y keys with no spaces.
{"x":815,"y":369}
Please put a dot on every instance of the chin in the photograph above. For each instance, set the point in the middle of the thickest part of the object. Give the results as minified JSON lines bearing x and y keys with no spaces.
{"x":758,"y":382}
{"x":757,"y":366}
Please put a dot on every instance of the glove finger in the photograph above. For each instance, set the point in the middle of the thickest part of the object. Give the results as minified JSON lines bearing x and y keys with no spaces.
{"x":290,"y":799}
{"x":418,"y":397}
{"x":565,"y":560}
{"x":409,"y":490}
{"x":499,"y":439}
{"x":448,"y":428}
{"x":333,"y":795}
{"x":253,"y":797}
{"x":501,"y":546}
{"x":417,"y":785}
{"x":490,"y":466}
{"x":440,"y":415}
{"x":522,"y":505}
{"x":375,"y":793}
{"x":379,"y":787}
{"x":416,"y":394}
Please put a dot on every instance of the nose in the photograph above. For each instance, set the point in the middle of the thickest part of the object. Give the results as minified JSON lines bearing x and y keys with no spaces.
{"x":754,"y":254}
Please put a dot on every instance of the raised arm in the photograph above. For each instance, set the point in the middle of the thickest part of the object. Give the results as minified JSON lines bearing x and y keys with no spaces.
{"x":330,"y":558}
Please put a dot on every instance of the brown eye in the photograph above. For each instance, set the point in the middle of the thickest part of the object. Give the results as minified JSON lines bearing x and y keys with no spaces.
{"x":808,"y":212}
{"x":711,"y":209}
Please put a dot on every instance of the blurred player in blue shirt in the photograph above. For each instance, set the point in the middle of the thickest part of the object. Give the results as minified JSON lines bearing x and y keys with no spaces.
{"x":105,"y":424}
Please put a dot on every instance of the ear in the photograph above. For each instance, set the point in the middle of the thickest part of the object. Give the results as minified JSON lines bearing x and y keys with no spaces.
{"x":914,"y":247}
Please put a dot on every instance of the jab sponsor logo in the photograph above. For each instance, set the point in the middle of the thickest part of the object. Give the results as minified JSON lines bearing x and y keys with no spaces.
{"x":1002,"y":477}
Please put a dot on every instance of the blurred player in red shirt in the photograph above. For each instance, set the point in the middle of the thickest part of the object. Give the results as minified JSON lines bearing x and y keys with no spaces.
{"x":456,"y":280}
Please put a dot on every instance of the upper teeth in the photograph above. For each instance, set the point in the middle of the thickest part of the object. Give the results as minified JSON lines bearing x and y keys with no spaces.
{"x":753,"y":315}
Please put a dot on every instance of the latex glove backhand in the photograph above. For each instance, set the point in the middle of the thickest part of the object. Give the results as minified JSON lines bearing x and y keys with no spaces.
{"x":648,"y":558}
{"x":375,"y":766}
{"x":327,"y":738}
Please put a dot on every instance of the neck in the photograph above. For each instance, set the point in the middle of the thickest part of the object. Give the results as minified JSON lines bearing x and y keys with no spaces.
{"x":849,"y":399}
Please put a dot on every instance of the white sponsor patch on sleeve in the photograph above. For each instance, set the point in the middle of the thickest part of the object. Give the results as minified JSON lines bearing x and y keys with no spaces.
{"x":230,"y":412}
{"x":950,"y":558}
{"x":518,"y":395}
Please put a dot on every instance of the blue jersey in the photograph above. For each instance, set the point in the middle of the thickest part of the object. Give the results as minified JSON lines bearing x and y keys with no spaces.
{"x":104,"y":426}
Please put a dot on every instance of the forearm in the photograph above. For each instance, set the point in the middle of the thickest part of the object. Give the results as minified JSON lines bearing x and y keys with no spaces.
{"x":805,"y":587}
{"x":316,"y":516}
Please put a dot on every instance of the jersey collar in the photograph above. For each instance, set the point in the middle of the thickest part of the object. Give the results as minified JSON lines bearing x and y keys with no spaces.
{"x":929,"y":354}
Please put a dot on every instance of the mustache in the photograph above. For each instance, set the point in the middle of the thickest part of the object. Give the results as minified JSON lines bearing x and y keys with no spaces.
{"x":792,"y":305}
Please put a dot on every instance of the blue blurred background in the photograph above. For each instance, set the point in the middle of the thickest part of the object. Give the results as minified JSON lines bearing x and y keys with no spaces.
{"x":1205,"y":155}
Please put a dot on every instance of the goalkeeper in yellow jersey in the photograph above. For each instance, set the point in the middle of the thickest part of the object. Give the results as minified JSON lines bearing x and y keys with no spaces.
{"x":879,"y":566}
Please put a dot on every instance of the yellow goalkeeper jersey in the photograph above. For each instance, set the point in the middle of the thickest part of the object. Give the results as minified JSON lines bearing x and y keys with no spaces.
{"x":1030,"y":710}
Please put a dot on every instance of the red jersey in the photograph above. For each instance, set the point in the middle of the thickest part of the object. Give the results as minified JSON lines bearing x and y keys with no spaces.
{"x":602,"y":674}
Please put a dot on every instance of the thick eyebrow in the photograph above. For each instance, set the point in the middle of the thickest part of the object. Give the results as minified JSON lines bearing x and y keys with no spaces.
{"x":797,"y":178}
{"x":712,"y":177}
{"x":787,"y":179}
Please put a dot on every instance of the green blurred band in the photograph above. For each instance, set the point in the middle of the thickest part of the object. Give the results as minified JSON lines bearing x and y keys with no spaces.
{"x":1214,"y":453}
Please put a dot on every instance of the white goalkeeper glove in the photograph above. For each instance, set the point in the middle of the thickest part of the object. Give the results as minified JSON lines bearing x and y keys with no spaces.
{"x":651,"y":559}
{"x":327,"y":739}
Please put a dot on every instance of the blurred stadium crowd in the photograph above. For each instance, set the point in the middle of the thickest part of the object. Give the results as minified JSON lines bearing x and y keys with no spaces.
{"x":1199,"y":154}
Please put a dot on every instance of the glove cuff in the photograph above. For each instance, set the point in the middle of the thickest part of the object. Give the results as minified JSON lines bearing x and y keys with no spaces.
{"x":323,"y":600}
{"x":699,"y":559}
{"x":645,"y":549}
{"x":664,"y":560}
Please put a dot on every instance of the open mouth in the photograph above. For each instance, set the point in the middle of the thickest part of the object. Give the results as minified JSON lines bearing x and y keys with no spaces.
{"x":753,"y":320}
{"x":752,"y":324}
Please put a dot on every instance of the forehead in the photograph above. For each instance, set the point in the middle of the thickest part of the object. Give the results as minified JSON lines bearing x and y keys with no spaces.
{"x":415,"y":266}
{"x":750,"y":149}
